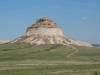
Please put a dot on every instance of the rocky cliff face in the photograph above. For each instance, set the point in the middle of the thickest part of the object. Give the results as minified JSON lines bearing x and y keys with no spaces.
{"x":44,"y":26}
{"x":45,"y":31}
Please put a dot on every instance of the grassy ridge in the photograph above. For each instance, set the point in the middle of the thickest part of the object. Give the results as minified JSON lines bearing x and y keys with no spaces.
{"x":25,"y":59}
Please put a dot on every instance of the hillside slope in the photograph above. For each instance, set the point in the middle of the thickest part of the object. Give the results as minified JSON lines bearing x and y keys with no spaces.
{"x":45,"y":31}
{"x":26,"y":59}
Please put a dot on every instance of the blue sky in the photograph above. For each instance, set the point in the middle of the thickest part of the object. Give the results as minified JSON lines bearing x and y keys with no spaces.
{"x":79,"y":19}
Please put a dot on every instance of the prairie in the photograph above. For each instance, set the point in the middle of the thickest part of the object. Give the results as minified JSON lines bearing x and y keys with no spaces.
{"x":26,"y":59}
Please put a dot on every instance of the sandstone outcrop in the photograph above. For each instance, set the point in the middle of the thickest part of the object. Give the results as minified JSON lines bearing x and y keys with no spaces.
{"x":45,"y":31}
{"x":4,"y":41}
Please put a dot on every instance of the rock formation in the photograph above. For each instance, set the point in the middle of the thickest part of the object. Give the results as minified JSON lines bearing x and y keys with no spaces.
{"x":4,"y":41}
{"x":45,"y":31}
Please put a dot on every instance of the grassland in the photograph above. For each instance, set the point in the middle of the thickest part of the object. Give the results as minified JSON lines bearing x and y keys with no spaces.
{"x":25,"y":59}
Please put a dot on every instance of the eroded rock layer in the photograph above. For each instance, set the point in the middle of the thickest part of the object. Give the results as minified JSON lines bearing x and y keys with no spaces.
{"x":45,"y":31}
{"x":4,"y":41}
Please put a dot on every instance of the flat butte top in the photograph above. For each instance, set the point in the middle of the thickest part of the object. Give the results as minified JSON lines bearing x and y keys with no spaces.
{"x":44,"y":23}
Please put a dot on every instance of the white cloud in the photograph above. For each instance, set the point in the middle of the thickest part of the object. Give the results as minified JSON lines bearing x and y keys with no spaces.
{"x":85,"y":17}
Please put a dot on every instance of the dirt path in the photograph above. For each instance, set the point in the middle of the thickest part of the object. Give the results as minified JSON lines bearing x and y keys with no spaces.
{"x":76,"y":50}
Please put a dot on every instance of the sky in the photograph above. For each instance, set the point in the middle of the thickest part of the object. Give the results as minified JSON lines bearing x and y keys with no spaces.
{"x":78,"y":19}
